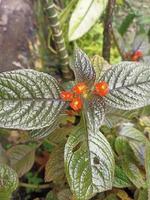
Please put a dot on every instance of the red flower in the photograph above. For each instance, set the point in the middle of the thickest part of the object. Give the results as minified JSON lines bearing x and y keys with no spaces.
{"x":80,"y":88}
{"x":137,"y":55}
{"x":102,"y":88}
{"x":76,"y":104}
{"x":66,"y":95}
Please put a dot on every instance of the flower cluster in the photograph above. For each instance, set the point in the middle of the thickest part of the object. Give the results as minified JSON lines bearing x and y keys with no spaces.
{"x":136,"y":56}
{"x":74,"y":96}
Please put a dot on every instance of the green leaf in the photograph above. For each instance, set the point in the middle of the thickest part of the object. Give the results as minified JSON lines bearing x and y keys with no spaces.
{"x":143,"y":194}
{"x":129,"y":84}
{"x":136,"y":140}
{"x":100,"y":66}
{"x":133,"y":173}
{"x":126,"y":23}
{"x":28,"y":100}
{"x":89,"y":161}
{"x":21,"y":158}
{"x":131,"y":133}
{"x":147,"y":163}
{"x":8,"y":181}
{"x":85,"y":15}
{"x":120,"y":178}
{"x":82,"y":68}
{"x":3,"y":157}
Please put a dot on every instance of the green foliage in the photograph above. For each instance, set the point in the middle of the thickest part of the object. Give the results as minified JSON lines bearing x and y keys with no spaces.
{"x":86,"y":12}
{"x":21,"y":158}
{"x":8,"y":181}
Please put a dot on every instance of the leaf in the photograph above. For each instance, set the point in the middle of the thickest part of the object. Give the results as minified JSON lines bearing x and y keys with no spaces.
{"x":89,"y":161}
{"x":28,"y":100}
{"x":85,"y":15}
{"x":133,"y":173}
{"x":82,"y":68}
{"x":129,"y":84}
{"x":131,"y":133}
{"x":147,"y":163}
{"x":54,"y":169}
{"x":100,"y":66}
{"x":8,"y":181}
{"x":3,"y":157}
{"x":143,"y":194}
{"x":21,"y":158}
{"x":126,"y":23}
{"x":120,"y":178}
{"x":136,"y":140}
{"x":44,"y":132}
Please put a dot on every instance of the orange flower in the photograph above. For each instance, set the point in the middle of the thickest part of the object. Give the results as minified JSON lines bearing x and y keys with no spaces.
{"x":66,"y":96}
{"x":137,"y":55}
{"x":76,"y":104}
{"x":80,"y":88}
{"x":102,"y":88}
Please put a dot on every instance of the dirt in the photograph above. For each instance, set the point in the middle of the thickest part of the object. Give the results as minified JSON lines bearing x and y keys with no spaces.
{"x":16,"y":28}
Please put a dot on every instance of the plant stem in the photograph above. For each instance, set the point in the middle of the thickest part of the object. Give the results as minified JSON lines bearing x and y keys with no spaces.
{"x":59,"y":40}
{"x":107,"y":34}
{"x":33,"y":186}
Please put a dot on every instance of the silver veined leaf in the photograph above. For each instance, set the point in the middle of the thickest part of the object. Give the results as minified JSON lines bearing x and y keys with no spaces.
{"x":21,"y":158}
{"x":28,"y":100}
{"x":129,"y":84}
{"x":89,"y":161}
{"x":44,"y":132}
{"x":85,"y":15}
{"x":82,"y":67}
{"x":8,"y":181}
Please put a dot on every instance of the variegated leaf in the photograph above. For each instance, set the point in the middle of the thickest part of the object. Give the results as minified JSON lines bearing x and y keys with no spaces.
{"x":8,"y":181}
{"x":28,"y":100}
{"x":89,"y":159}
{"x":129,"y":84}
{"x":82,"y":68}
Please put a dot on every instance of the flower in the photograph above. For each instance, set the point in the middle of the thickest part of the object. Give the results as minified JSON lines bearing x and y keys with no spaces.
{"x":102,"y":88}
{"x":137,"y":55}
{"x":80,"y":88}
{"x":76,"y":104}
{"x":66,"y":96}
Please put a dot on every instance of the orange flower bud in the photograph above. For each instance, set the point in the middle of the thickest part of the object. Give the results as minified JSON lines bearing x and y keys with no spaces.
{"x":102,"y":88}
{"x":80,"y":88}
{"x":66,"y":96}
{"x":76,"y":104}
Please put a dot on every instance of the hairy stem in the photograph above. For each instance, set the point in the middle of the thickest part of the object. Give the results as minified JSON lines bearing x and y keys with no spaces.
{"x":58,"y":39}
{"x":107,"y":34}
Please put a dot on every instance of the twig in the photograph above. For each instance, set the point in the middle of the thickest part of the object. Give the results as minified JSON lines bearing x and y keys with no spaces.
{"x":58,"y":40}
{"x":107,"y":34}
{"x":33,"y":186}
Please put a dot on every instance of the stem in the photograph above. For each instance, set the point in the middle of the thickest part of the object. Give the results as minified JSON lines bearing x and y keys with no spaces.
{"x":59,"y":40}
{"x":107,"y":34}
{"x":117,"y":45}
{"x":33,"y":186}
